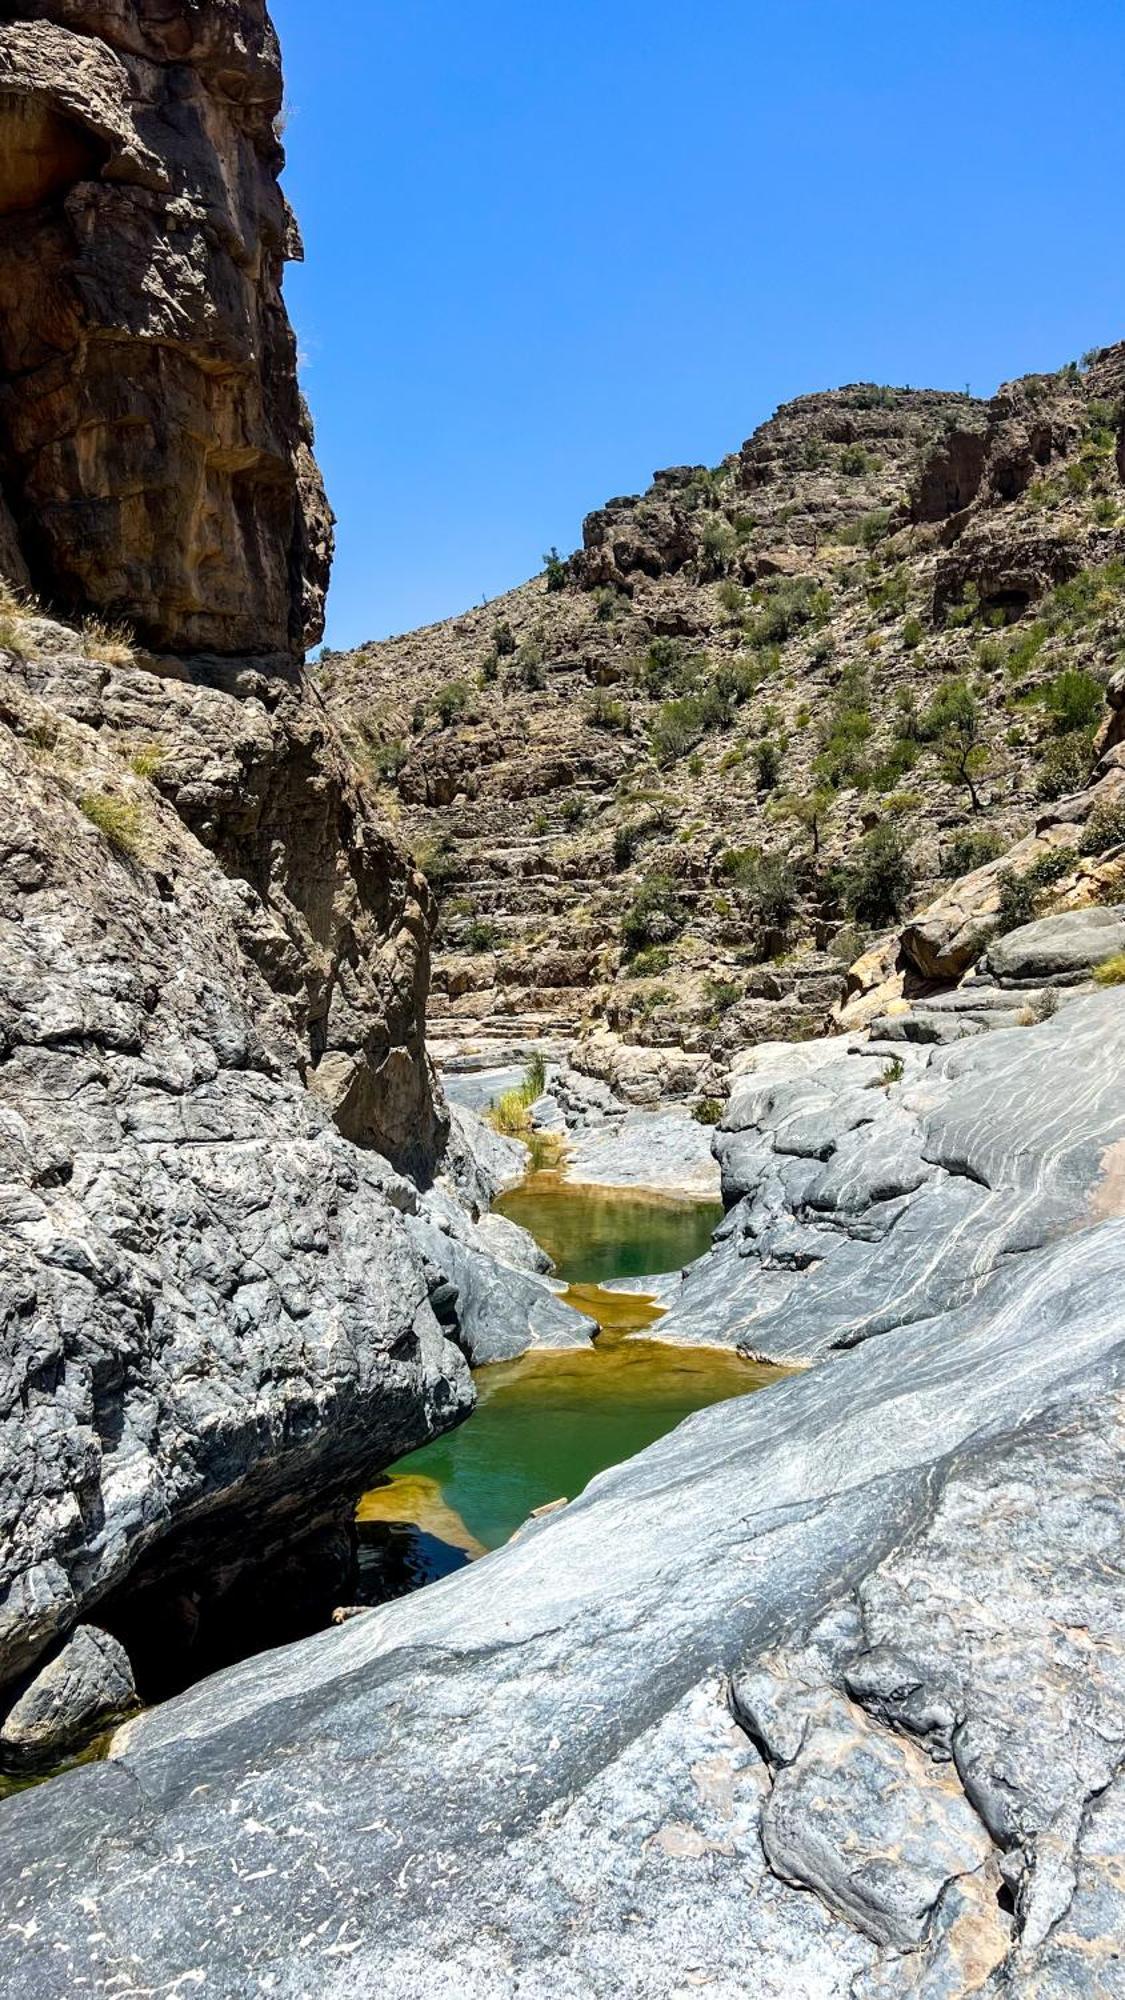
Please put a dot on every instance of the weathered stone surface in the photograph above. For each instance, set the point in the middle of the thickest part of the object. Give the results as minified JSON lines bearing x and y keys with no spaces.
{"x":1072,"y":943}
{"x":328,"y":908}
{"x":155,"y":451}
{"x":528,"y":1776}
{"x":496,"y":1311}
{"x":860,"y":1200}
{"x":87,"y":1686}
{"x":215,"y":1327}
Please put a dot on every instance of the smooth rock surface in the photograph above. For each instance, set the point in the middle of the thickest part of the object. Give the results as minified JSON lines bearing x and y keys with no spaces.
{"x":861,"y":1201}
{"x":528,"y":1777}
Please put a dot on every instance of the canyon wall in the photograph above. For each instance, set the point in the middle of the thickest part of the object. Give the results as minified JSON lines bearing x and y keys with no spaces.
{"x":214,"y":958}
{"x":155,"y":452}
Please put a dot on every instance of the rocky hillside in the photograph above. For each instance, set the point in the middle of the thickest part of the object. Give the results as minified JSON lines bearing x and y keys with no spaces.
{"x":678,"y":783}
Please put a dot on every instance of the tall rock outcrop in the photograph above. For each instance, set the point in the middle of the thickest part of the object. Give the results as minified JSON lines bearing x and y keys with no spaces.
{"x":155,"y":452}
{"x":214,"y":958}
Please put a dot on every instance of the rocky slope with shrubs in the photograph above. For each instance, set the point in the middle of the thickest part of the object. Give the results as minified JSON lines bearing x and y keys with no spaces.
{"x":768,"y":714}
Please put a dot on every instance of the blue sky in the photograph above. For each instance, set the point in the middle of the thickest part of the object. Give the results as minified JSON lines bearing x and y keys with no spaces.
{"x":553,"y":248}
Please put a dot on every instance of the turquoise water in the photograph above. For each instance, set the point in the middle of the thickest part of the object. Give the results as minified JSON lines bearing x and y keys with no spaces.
{"x":545,"y":1424}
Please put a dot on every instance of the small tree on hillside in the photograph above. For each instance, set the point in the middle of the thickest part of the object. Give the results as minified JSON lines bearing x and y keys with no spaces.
{"x":954,"y":723}
{"x":810,"y":811}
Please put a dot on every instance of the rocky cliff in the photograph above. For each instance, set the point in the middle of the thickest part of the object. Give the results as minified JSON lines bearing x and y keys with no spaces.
{"x":155,"y":454}
{"x":213,"y":955}
{"x":771,"y":709}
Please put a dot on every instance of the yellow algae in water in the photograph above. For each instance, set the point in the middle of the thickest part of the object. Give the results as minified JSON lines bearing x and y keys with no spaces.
{"x":617,"y":1313}
{"x":415,"y":1499}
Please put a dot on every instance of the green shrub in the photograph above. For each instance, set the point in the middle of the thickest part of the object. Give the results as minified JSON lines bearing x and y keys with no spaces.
{"x":626,"y":840}
{"x":708,"y":1111}
{"x":1075,"y":699}
{"x":913,"y":633}
{"x":437,"y":861}
{"x":1021,"y":896}
{"x":451,"y":701}
{"x":606,"y":713}
{"x":971,"y":849}
{"x":1065,"y":765}
{"x":717,"y":544}
{"x":649,"y":961}
{"x":489,"y":669}
{"x":768,"y":881}
{"x":846,"y":732}
{"x":786,"y":604}
{"x":655,"y":916}
{"x":855,"y":461}
{"x":119,"y":821}
{"x":503,"y":638}
{"x":721,"y":994}
{"x":528,"y":668}
{"x":555,"y":570}
{"x":1111,"y":971}
{"x":875,"y":885}
{"x":732,"y":598}
{"x":679,"y":725}
{"x":668,"y":668}
{"x":767,"y":757}
{"x":480,"y":935}
{"x":954,"y":722}
{"x":573,"y":809}
{"x":1105,"y":827}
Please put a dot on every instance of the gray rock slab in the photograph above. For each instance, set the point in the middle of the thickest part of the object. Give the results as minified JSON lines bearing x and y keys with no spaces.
{"x":1073,"y":942}
{"x":497,"y":1311}
{"x":481,"y":1782}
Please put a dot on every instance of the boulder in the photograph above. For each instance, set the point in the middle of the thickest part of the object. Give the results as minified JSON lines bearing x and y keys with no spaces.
{"x":87,"y":1686}
{"x":1062,"y":947}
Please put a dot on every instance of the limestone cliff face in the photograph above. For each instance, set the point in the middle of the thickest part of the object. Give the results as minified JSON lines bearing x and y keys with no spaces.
{"x":155,"y":452}
{"x":213,"y":957}
{"x":156,"y":468}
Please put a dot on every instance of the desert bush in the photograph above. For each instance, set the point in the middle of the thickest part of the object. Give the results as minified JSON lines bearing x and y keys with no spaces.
{"x":767,"y":757}
{"x":1065,"y":765}
{"x":655,"y":916}
{"x":1111,"y":971}
{"x":1075,"y":699}
{"x":970,"y":849}
{"x":875,"y":884}
{"x":451,"y":701}
{"x":708,"y":1111}
{"x":1105,"y":827}
{"x":604,"y":712}
{"x":555,"y":570}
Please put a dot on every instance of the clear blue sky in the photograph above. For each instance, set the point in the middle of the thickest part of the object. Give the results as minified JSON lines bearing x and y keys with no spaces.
{"x":551,"y":248}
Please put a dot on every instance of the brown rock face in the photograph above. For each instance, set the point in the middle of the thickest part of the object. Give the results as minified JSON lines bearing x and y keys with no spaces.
{"x":155,"y":452}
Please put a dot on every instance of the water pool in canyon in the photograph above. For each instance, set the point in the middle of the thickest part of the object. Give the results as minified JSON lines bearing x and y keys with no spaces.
{"x":546,"y":1423}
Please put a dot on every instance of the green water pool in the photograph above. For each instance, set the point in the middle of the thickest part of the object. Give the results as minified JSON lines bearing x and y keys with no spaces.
{"x":545,"y":1424}
{"x":595,"y":1234}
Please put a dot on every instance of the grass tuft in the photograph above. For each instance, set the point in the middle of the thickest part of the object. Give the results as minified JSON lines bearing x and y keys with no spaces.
{"x":112,"y":645}
{"x":118,"y":820}
{"x":1111,"y":972}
